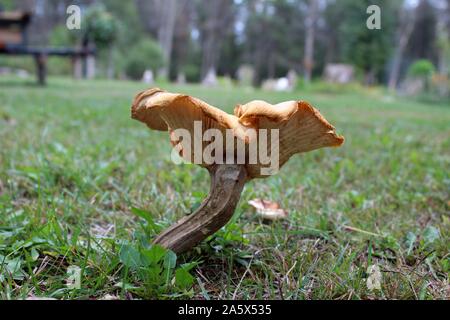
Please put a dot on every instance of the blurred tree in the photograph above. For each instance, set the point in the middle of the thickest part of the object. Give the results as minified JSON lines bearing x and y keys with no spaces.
{"x":144,"y":55}
{"x":102,"y":29}
{"x":443,"y":39}
{"x":267,"y":47}
{"x":259,"y":37}
{"x":165,"y":31}
{"x":130,"y":32}
{"x":183,"y":45}
{"x":405,"y":25}
{"x":311,"y":21}
{"x":215,"y":23}
{"x":333,"y":21}
{"x":273,"y":36}
{"x":125,"y":12}
{"x":47,"y":14}
{"x":423,"y":38}
{"x":422,"y":70}
{"x":159,"y":19}
{"x":368,"y":49}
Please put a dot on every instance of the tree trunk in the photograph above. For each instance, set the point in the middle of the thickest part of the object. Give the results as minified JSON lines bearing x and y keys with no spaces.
{"x":308,"y":61}
{"x":404,"y":36}
{"x":443,"y":36}
{"x":166,"y":30}
{"x":369,"y":77}
{"x":110,"y":69}
{"x":227,"y":182}
{"x":217,"y":23}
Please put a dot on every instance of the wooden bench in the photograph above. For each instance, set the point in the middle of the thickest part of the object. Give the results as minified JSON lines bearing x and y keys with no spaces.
{"x":14,"y":41}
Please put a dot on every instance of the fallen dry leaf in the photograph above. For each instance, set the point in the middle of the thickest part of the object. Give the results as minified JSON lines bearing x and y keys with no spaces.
{"x":268,"y":210}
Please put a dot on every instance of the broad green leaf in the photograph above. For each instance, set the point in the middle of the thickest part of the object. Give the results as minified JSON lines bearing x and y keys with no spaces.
{"x":188,"y":266}
{"x":154,"y":254}
{"x":13,"y":267}
{"x":410,"y":241}
{"x":34,"y":254}
{"x":153,"y":274}
{"x":170,"y":260}
{"x":130,"y":257}
{"x":183,"y":279}
{"x":147,"y":217}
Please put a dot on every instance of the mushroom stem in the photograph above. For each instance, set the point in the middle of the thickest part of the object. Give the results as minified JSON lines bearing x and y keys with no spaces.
{"x":227,"y":182}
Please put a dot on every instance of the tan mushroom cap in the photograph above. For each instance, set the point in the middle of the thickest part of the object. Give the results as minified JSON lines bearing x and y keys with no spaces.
{"x":301,"y":127}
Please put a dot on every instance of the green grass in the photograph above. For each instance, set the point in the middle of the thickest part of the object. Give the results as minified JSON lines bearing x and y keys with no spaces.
{"x":73,"y":165}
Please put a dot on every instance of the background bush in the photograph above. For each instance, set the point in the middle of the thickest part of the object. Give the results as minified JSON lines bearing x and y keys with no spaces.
{"x":146,"y":54}
{"x":422,"y":68}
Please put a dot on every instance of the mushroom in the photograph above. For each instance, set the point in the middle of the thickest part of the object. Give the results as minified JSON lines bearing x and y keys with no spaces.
{"x":293,"y":127}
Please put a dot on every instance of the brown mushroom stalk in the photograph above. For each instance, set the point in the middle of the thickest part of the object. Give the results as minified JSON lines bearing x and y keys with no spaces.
{"x":227,"y":182}
{"x":300,"y":128}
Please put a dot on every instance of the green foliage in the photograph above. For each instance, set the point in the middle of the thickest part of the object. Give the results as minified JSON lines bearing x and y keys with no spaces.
{"x":153,"y":268}
{"x":192,"y":72}
{"x":127,"y":14}
{"x":101,"y":26}
{"x":61,"y":36}
{"x":146,"y":54}
{"x":7,"y":5}
{"x":271,"y":36}
{"x":154,"y":271}
{"x":443,"y":44}
{"x":265,"y":37}
{"x":368,"y":49}
{"x":422,"y":69}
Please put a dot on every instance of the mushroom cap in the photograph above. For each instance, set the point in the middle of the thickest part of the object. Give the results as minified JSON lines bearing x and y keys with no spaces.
{"x":301,"y":127}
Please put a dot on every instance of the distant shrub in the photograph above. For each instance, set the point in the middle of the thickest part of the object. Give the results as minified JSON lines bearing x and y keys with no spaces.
{"x":102,"y":27}
{"x":146,"y":54}
{"x":421,"y":69}
{"x":192,"y":72}
{"x":419,"y":77}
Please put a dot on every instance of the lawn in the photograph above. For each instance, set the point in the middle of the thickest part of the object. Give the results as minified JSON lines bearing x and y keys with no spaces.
{"x":84,"y":189}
